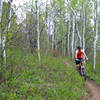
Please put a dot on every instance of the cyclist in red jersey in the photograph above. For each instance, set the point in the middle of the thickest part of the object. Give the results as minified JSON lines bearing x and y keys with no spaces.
{"x":79,"y":56}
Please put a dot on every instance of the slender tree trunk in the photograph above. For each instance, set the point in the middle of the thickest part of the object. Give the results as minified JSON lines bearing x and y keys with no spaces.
{"x":3,"y":45}
{"x":68,"y":43}
{"x":64,"y":46}
{"x":73,"y":34}
{"x":38,"y":30}
{"x":0,"y":19}
{"x":77,"y":27}
{"x":3,"y":37}
{"x":84,"y":25}
{"x":79,"y":36}
{"x":47,"y":28}
{"x":96,"y":34}
{"x":64,"y":40}
{"x":54,"y":36}
{"x":52,"y":41}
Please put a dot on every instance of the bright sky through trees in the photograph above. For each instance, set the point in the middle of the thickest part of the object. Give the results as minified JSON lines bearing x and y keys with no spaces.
{"x":19,"y":11}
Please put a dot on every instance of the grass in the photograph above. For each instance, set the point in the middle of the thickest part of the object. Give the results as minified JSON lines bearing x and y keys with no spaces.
{"x":95,"y":75}
{"x":24,"y":78}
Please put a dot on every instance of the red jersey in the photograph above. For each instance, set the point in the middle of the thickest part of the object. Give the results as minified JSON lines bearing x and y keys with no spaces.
{"x":79,"y":54}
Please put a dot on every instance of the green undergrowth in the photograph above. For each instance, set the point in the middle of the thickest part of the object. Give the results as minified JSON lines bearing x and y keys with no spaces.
{"x":95,"y":75}
{"x":24,"y":78}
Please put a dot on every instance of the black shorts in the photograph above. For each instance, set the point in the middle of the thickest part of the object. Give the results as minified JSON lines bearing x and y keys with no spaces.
{"x":78,"y":61}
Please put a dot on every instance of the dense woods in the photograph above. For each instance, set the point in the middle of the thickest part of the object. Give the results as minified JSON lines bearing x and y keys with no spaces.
{"x":57,"y":25}
{"x":44,"y":28}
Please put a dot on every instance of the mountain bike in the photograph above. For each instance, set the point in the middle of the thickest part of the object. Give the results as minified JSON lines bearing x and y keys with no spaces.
{"x":82,"y":69}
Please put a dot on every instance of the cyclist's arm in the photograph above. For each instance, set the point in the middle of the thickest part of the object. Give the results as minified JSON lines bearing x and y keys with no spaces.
{"x":85,"y":56}
{"x":76,"y":54}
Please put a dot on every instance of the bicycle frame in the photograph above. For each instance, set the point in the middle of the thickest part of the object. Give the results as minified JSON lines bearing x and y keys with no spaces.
{"x":82,"y":70}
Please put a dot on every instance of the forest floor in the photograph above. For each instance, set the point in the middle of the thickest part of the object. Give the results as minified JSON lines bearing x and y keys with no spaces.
{"x":94,"y":93}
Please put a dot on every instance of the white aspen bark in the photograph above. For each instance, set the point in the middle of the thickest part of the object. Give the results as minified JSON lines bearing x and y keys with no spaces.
{"x":52,"y":41}
{"x":77,"y":29}
{"x":4,"y":49}
{"x":68,"y":43}
{"x":64,"y":46}
{"x":84,"y":22}
{"x":84,"y":31}
{"x":53,"y":26}
{"x":78,"y":34}
{"x":0,"y":9}
{"x":73,"y":33}
{"x":94,"y":62}
{"x":96,"y":35}
{"x":0,"y":19}
{"x":38,"y":30}
{"x":47,"y":27}
{"x":53,"y":36}
{"x":3,"y":37}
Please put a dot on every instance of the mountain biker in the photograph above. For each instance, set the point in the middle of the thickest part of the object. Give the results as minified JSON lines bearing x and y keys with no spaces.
{"x":79,"y":57}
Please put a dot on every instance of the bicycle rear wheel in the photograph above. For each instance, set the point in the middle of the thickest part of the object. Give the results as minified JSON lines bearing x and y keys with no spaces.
{"x":85,"y":77}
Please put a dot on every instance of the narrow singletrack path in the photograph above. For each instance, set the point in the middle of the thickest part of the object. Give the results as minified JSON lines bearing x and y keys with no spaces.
{"x":94,"y":93}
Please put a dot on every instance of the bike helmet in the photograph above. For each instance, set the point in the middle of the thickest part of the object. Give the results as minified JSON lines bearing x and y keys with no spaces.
{"x":79,"y":47}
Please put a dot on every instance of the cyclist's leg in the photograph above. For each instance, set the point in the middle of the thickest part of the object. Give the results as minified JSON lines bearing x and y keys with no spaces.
{"x":82,"y":63}
{"x":80,"y":67}
{"x":77,"y":65}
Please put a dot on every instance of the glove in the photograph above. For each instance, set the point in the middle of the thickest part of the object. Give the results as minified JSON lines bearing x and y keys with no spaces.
{"x":86,"y":58}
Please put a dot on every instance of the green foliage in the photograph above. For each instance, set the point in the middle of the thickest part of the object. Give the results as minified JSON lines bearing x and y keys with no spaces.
{"x":9,"y":35}
{"x":26,"y":78}
{"x":55,"y":53}
{"x":99,"y":29}
{"x":74,"y":3}
{"x":5,"y":12}
{"x":95,"y":75}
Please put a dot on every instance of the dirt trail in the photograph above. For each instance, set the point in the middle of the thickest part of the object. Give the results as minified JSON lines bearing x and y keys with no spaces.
{"x":67,"y":63}
{"x":94,"y":93}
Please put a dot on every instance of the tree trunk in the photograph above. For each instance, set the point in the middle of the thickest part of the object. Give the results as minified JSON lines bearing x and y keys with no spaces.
{"x":96,"y":34}
{"x":0,"y":20}
{"x":53,"y":36}
{"x":84,"y":25}
{"x":5,"y":31}
{"x":47,"y":28}
{"x":73,"y":34}
{"x":79,"y":36}
{"x":54,"y":46}
{"x":38,"y":30}
{"x":68,"y":43}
